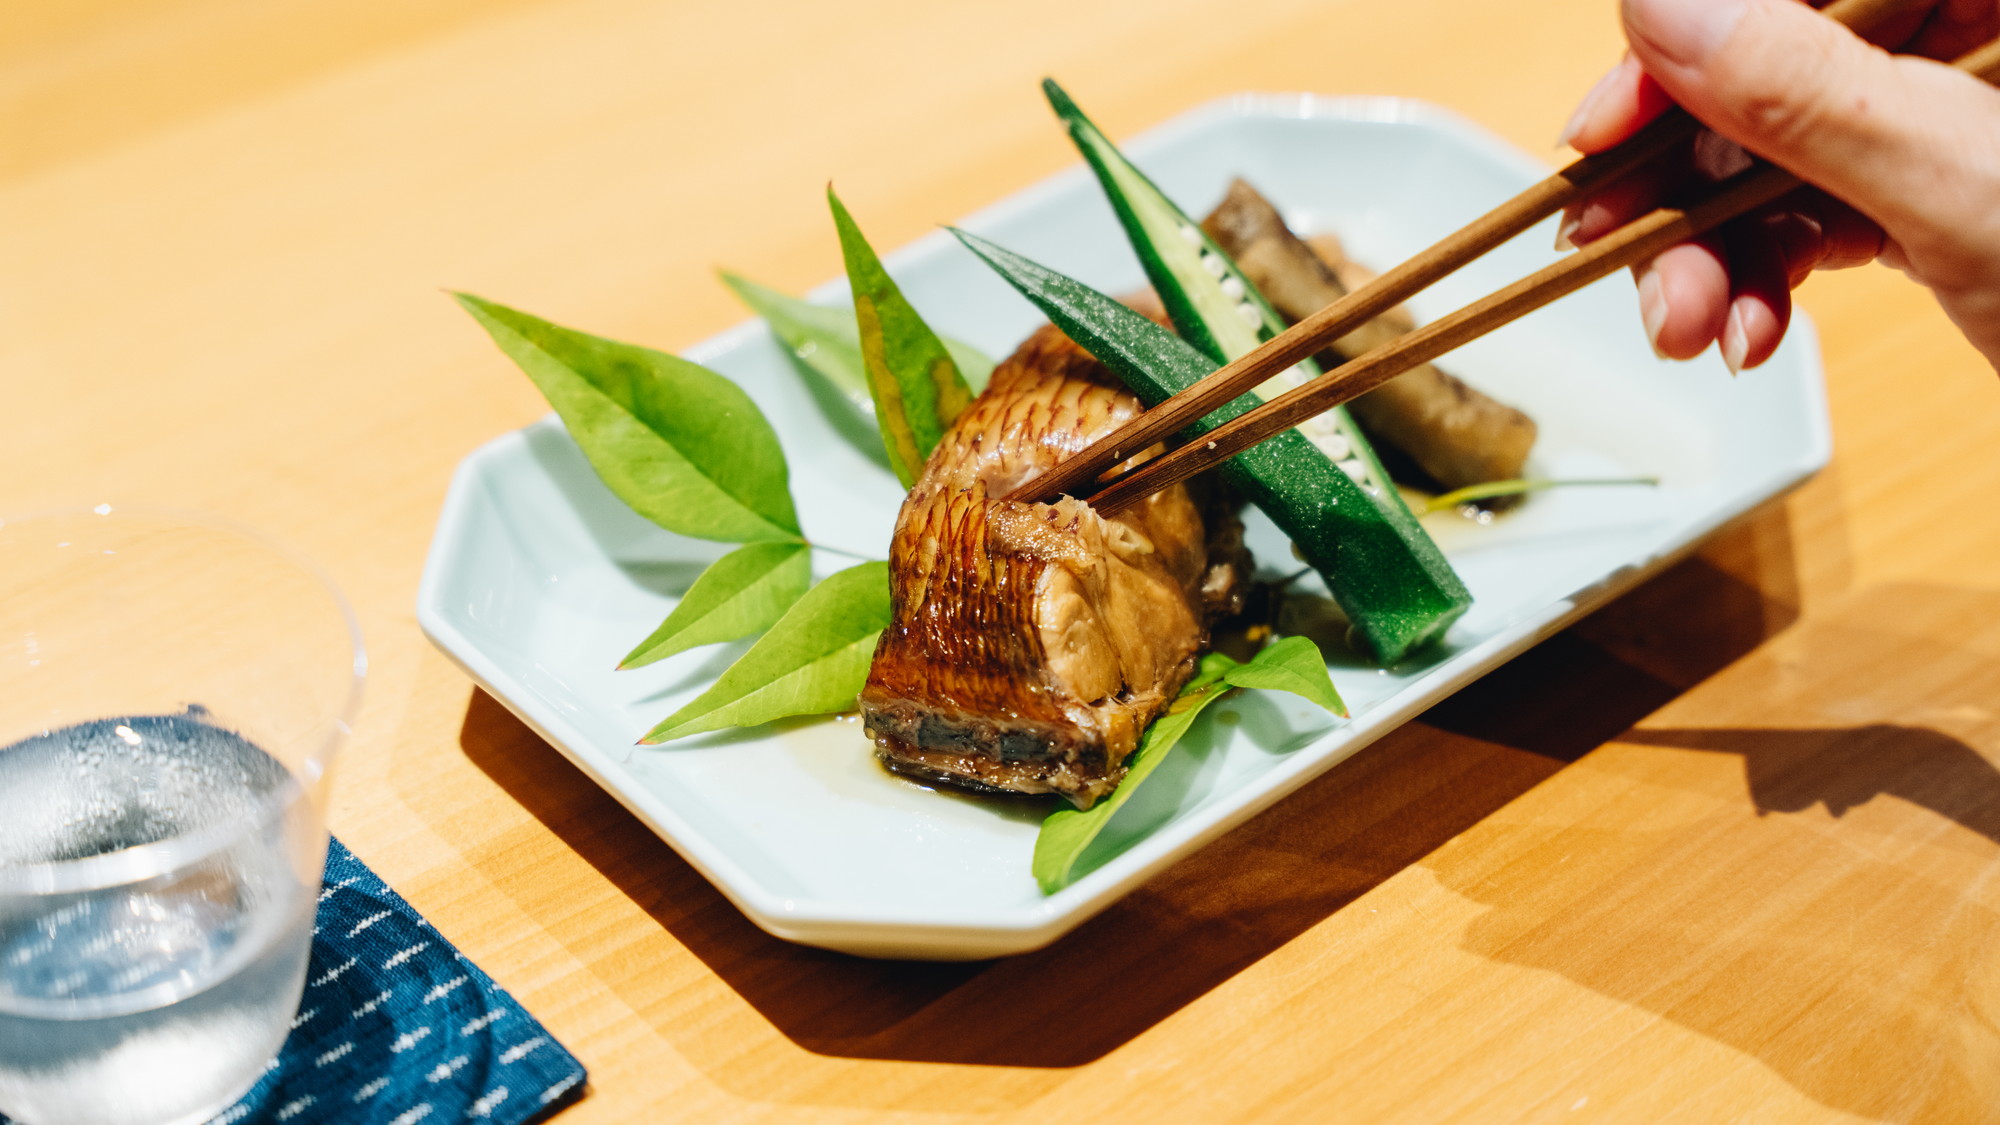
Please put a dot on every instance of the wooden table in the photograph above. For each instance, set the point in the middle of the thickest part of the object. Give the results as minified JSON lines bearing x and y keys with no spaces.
{"x":1727,"y":850}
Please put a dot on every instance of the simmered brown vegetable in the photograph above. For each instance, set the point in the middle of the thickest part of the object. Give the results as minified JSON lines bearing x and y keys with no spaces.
{"x":1452,"y":432}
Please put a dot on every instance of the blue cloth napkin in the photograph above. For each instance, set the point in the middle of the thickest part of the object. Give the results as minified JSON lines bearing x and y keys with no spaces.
{"x":397,"y":1028}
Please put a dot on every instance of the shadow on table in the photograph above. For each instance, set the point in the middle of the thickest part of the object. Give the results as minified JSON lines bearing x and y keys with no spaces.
{"x":1227,"y":906}
{"x":1842,"y":768}
{"x":1844,"y":941}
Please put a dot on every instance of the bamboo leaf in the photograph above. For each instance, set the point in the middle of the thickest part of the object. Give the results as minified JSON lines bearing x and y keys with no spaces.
{"x":825,"y":349}
{"x":745,"y":591}
{"x":814,"y":660}
{"x":685,"y":447}
{"x":917,"y":386}
{"x":824,"y":340}
{"x":827,"y":342}
{"x":1293,"y":664}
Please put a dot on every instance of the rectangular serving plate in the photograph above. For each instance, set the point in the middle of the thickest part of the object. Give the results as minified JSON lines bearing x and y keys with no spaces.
{"x":539,"y":579}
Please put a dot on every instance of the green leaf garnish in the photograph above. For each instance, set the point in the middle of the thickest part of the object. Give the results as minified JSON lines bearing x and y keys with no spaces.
{"x":827,"y":341}
{"x":814,"y":660}
{"x":825,"y":349}
{"x":824,"y":339}
{"x":1288,"y":665}
{"x":1068,"y":831}
{"x":685,"y":447}
{"x":917,"y":386}
{"x":1293,"y":664}
{"x":1487,"y":490}
{"x":745,"y":591}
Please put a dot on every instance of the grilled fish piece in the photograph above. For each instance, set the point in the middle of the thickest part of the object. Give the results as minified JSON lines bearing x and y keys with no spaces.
{"x":1031,"y":644}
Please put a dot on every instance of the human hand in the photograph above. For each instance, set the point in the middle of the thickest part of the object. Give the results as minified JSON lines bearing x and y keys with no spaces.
{"x":1903,"y":155}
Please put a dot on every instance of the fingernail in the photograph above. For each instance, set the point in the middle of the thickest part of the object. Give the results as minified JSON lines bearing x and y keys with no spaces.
{"x":1589,"y":102}
{"x":1570,"y":225}
{"x":1685,"y":33}
{"x":1717,"y":157}
{"x":1653,"y":308}
{"x":1735,"y":341}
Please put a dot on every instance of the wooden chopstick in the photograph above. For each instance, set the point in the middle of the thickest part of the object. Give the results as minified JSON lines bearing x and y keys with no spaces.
{"x":1581,"y":178}
{"x":1630,"y":244}
{"x":1633,"y":243}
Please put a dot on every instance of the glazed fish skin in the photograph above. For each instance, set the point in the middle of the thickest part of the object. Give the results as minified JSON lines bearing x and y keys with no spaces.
{"x":1031,"y":644}
{"x":1453,"y":432}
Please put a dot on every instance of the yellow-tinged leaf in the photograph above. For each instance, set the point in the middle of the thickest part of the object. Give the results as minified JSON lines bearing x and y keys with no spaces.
{"x":917,"y":386}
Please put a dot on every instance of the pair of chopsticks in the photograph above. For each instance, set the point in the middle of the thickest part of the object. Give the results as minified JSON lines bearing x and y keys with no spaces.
{"x":1629,"y":245}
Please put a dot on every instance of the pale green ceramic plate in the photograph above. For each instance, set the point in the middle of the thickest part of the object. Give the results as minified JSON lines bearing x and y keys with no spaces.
{"x":539,"y":579}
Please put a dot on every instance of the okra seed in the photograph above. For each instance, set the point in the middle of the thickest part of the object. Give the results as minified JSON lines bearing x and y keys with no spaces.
{"x":1212,"y":263}
{"x":1232,"y":287}
{"x":1190,"y":235}
{"x":1336,"y":446}
{"x":1250,"y":315}
{"x":1355,"y":470}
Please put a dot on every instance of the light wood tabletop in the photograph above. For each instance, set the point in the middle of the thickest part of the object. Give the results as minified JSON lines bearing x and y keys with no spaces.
{"x":1727,"y":850}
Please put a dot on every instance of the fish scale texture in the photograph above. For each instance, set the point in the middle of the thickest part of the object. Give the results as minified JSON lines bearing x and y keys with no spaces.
{"x":1030,"y":644}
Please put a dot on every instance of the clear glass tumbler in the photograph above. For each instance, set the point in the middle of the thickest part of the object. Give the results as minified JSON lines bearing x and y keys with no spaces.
{"x":172,"y":694}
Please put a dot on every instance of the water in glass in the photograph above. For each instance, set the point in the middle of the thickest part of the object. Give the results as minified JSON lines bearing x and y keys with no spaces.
{"x":147,"y":999}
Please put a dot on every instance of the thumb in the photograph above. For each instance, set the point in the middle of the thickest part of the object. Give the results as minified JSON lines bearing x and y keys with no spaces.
{"x":1908,"y":142}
